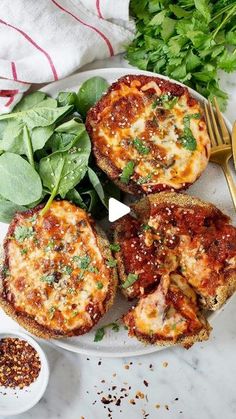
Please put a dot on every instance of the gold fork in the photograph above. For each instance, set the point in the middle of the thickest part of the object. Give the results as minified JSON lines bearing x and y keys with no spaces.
{"x":221,"y":149}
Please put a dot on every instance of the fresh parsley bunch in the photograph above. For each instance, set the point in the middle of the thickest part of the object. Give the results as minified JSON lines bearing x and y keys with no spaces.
{"x":187,"y":40}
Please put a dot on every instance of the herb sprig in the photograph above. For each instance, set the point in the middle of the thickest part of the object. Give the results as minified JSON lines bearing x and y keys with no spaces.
{"x":188,"y":40}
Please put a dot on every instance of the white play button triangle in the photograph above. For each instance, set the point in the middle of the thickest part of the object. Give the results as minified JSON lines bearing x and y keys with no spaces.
{"x":116,"y":209}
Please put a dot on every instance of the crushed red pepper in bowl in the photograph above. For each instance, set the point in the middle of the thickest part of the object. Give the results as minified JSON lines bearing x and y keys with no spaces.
{"x":20,"y":364}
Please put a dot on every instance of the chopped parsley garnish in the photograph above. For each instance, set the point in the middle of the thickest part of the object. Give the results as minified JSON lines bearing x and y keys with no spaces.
{"x":130,"y":280}
{"x":67,"y":269}
{"x":74,"y":313}
{"x":93,"y":269}
{"x":52,"y":312}
{"x":140,"y":146}
{"x":49,"y":279}
{"x":71,"y":290}
{"x":83,"y":262}
{"x":169,"y":104}
{"x":100,"y":333}
{"x":111,"y":263}
{"x":146,"y":227}
{"x":115,"y":247}
{"x":50,"y":246}
{"x":127,"y":172}
{"x":144,"y":179}
{"x":23,"y":251}
{"x":99,"y":285}
{"x":5,"y":271}
{"x":187,"y":139}
{"x":33,"y":218}
{"x":23,"y":232}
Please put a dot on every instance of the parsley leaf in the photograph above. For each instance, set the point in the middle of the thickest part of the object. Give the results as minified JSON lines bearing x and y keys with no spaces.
{"x":127,"y":172}
{"x":22,"y":233}
{"x":140,"y":146}
{"x":100,"y":333}
{"x":115,"y":247}
{"x":130,"y":280}
{"x":111,"y":263}
{"x":49,"y":279}
{"x":190,"y":40}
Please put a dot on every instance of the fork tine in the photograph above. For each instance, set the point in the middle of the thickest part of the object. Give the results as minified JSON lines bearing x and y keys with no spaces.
{"x":224,"y":130}
{"x":210,"y":130}
{"x":214,"y":123}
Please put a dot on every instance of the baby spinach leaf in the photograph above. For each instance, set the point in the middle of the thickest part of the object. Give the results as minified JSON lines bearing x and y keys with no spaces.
{"x":74,"y":196}
{"x":29,"y":101}
{"x":8,"y":210}
{"x":91,"y":200}
{"x":40,"y":115}
{"x":94,"y":179}
{"x":67,"y":98}
{"x":65,"y":135}
{"x":22,"y":184}
{"x":14,"y":137}
{"x":61,"y":171}
{"x":90,"y":92}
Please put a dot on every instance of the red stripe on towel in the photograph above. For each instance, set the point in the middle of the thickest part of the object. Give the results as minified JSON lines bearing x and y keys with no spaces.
{"x":29,"y":39}
{"x":99,"y":9}
{"x":87,"y":25}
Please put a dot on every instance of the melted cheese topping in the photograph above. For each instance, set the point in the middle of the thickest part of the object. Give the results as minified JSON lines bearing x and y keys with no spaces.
{"x":158,"y":313}
{"x":133,"y":114}
{"x":57,"y":273}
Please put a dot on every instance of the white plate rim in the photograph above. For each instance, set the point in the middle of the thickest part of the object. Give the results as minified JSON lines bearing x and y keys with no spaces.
{"x":64,"y":85}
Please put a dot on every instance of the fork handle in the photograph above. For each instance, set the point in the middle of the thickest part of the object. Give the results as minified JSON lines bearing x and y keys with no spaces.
{"x":230,"y":181}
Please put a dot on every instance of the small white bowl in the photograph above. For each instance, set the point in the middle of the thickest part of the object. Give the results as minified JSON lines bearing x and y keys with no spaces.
{"x":16,"y":401}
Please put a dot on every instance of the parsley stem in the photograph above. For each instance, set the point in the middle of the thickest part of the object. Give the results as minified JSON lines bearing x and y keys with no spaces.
{"x":224,"y":21}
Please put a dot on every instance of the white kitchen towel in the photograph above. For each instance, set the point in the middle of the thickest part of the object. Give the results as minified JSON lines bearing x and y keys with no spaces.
{"x":46,"y":40}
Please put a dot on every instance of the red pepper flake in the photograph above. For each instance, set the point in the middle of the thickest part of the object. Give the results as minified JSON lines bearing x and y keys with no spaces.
{"x":145,"y":383}
{"x":19,"y":363}
{"x":132,"y":401}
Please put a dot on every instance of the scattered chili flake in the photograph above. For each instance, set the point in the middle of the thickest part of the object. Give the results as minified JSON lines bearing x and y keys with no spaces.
{"x":132,"y":401}
{"x":165,"y":364}
{"x":139,"y":395}
{"x":19,"y":363}
{"x":106,"y":401}
{"x":145,"y":383}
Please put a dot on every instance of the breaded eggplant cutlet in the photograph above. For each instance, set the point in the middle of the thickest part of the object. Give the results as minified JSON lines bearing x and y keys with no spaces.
{"x":55,"y":280}
{"x":148,"y":135}
{"x":175,"y":234}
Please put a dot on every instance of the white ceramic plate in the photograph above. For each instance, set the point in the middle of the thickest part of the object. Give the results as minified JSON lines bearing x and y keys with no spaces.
{"x":210,"y":187}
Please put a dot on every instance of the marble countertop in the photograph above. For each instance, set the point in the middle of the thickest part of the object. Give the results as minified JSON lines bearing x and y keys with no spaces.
{"x":174,"y":383}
